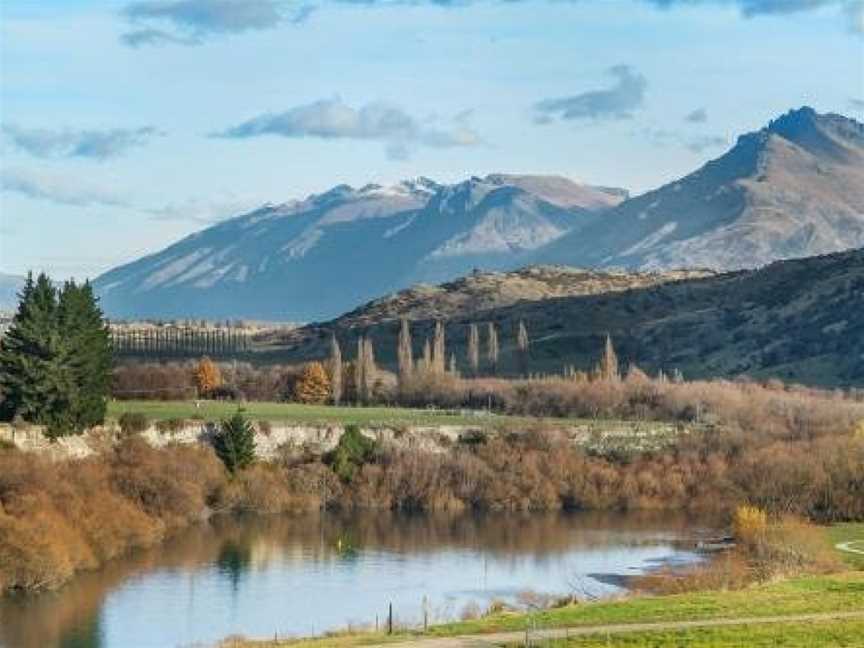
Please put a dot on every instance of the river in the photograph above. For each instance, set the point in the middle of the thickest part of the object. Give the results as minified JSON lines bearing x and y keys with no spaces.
{"x":283,"y":575}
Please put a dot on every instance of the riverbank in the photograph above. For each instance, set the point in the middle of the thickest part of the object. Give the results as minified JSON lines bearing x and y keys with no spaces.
{"x":805,"y":611}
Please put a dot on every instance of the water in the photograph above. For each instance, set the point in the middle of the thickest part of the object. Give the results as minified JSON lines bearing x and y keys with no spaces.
{"x":258,"y":576}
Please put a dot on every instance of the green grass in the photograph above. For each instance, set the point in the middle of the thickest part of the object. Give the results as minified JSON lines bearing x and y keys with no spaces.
{"x":325,"y":414}
{"x":796,"y":596}
{"x":805,"y":595}
{"x":849,"y":532}
{"x":836,"y":634}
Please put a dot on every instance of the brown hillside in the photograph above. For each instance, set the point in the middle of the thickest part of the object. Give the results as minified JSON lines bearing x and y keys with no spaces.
{"x":801,"y":320}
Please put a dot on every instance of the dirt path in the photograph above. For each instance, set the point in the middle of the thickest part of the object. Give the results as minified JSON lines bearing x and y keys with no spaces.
{"x":502,"y":638}
{"x":846,"y":546}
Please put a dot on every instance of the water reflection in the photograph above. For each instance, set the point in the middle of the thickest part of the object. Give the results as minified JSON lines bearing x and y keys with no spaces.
{"x":304,"y":574}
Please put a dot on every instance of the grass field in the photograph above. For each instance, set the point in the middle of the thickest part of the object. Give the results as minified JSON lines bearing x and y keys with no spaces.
{"x":806,"y":595}
{"x":298,"y":413}
{"x":852,"y":533}
{"x":325,"y":414}
{"x":834,"y":634}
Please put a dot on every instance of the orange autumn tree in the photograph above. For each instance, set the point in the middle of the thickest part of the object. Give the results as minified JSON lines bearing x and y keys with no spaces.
{"x":313,"y":386}
{"x":207,"y":376}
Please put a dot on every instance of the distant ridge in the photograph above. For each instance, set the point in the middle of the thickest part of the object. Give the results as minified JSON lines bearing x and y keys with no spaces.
{"x":792,"y":189}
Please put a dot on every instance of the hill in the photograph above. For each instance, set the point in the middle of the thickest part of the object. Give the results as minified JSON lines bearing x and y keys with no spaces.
{"x":801,"y":320}
{"x":792,"y":189}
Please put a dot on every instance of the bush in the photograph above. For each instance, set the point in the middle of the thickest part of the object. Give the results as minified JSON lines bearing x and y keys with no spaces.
{"x":352,"y":451}
{"x":235,"y":442}
{"x":170,"y":426}
{"x":133,"y":423}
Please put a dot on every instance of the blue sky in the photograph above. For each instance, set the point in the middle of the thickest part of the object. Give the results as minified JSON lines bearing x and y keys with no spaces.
{"x":126,"y":125}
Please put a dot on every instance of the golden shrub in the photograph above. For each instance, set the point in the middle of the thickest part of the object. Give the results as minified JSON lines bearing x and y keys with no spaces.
{"x":749,"y":524}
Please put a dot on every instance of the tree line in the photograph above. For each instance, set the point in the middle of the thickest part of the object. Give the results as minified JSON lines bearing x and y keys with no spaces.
{"x":175,"y":341}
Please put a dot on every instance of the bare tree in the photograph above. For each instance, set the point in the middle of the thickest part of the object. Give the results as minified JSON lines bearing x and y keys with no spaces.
{"x":522,"y":347}
{"x":335,"y":370}
{"x":427,"y":355}
{"x":439,"y":357}
{"x":370,"y":371}
{"x":474,"y":349}
{"x":405,"y":353}
{"x":492,"y":347}
{"x":360,"y":370}
{"x":608,"y":368}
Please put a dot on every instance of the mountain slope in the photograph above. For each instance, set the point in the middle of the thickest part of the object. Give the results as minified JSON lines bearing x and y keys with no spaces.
{"x":792,"y":189}
{"x":318,"y":257}
{"x":801,"y":320}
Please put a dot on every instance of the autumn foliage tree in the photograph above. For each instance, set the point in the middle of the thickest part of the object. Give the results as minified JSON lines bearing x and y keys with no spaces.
{"x":313,"y":386}
{"x":207,"y":376}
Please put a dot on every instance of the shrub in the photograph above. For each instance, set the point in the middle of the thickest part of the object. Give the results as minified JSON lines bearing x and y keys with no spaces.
{"x":235,"y":442}
{"x":170,"y":426}
{"x":133,"y":423}
{"x":352,"y":451}
{"x":749,"y":525}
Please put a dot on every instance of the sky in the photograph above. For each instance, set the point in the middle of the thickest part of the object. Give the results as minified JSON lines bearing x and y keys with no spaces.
{"x":127,"y":125}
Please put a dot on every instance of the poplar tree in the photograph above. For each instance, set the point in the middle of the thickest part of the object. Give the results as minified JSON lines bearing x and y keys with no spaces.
{"x":404,"y":352}
{"x":474,"y":349}
{"x":335,"y":370}
{"x":492,"y":347}
{"x":608,"y":368}
{"x":370,"y":371}
{"x":439,"y":358}
{"x":360,"y":370}
{"x":522,"y":347}
{"x":427,"y":355}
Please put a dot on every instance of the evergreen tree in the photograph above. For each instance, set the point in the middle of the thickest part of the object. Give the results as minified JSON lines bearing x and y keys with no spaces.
{"x":335,"y":370}
{"x":35,"y":362}
{"x":88,"y":341}
{"x":235,"y":442}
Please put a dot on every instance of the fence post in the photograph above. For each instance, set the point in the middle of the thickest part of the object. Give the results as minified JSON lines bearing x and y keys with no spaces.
{"x":390,"y":619}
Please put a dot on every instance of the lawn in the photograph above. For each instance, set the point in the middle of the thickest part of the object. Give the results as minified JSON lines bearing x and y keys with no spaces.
{"x":364,"y":416}
{"x":806,"y":595}
{"x":834,"y":633}
{"x":297,"y":413}
{"x":852,"y":533}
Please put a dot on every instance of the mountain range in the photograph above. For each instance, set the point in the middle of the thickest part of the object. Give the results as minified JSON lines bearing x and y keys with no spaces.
{"x":792,"y":189}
